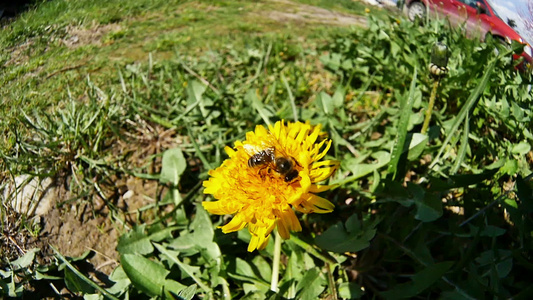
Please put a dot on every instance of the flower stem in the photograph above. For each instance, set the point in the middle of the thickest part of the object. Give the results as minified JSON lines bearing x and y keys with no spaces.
{"x":275,"y":263}
{"x":331,"y":281}
{"x":429,"y":111}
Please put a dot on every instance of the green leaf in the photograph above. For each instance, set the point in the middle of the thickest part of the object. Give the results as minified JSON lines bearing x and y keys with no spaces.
{"x":162,"y":234}
{"x":121,"y":280}
{"x":291,"y":98}
{"x":188,"y":293}
{"x":257,"y":270}
{"x":325,"y":103}
{"x":504,"y":268}
{"x":82,"y":276}
{"x":195,"y":90}
{"x":188,"y":270}
{"x":93,"y":297}
{"x":429,"y":208}
{"x":6,"y":274}
{"x":292,"y":274}
{"x":347,"y":64}
{"x":244,"y":272}
{"x":423,"y":254}
{"x":492,"y":231}
{"x":332,"y":61}
{"x":251,"y":97}
{"x":521,"y":148}
{"x":338,"y":98}
{"x":75,"y":284}
{"x":264,"y":269}
{"x":40,"y":276}
{"x":518,"y":112}
{"x":201,"y":224}
{"x":511,"y":202}
{"x":135,"y":241}
{"x":146,"y":275}
{"x":405,"y":113}
{"x":456,"y":181}
{"x":428,"y":205}
{"x":467,"y":107}
{"x":417,"y":146}
{"x":349,"y":238}
{"x":173,"y":165}
{"x":10,"y":288}
{"x":510,"y":167}
{"x":185,"y":243}
{"x":350,"y":290}
{"x":175,"y":287}
{"x":462,"y":149}
{"x":311,"y":285}
{"x":242,"y":267}
{"x":395,"y":192}
{"x":25,"y":260}
{"x":203,"y":233}
{"x":360,"y":170}
{"x":420,"y":281}
{"x":501,"y":259}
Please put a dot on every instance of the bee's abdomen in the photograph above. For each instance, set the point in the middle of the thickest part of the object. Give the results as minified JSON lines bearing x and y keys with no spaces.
{"x":261,"y":158}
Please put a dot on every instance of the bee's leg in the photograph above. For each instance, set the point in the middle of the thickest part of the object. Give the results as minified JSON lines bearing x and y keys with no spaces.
{"x":296,"y":162}
{"x":289,"y":177}
{"x":262,"y":173}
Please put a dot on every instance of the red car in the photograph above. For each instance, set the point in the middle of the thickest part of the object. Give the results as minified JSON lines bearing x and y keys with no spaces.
{"x":505,"y":20}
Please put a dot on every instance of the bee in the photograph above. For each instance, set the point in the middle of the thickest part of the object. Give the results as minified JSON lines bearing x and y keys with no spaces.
{"x":270,"y":160}
{"x":262,"y":157}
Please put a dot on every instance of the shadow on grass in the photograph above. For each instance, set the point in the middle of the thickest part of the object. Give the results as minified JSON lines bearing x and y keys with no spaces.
{"x":9,"y":11}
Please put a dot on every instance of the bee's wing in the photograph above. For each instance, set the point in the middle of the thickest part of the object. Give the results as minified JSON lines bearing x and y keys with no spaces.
{"x":251,"y":149}
{"x":279,"y":149}
{"x":269,"y":142}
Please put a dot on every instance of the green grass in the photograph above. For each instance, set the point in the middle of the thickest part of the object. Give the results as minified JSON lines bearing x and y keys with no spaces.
{"x":113,"y":34}
{"x":167,"y":85}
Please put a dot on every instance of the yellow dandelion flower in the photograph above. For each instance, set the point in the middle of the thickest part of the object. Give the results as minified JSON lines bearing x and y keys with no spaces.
{"x":270,"y":175}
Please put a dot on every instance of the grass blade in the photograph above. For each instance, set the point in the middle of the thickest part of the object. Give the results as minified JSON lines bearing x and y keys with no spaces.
{"x":198,"y":151}
{"x":405,"y":114}
{"x":462,"y":149}
{"x":258,"y":106}
{"x":470,"y":102}
{"x":105,"y":293}
{"x":291,"y":98}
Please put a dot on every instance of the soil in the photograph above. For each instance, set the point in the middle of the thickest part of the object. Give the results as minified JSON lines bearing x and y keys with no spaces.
{"x":94,"y":35}
{"x":301,"y":13}
{"x":90,"y":226}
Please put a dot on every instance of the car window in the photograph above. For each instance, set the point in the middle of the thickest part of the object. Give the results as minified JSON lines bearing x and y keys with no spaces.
{"x":471,"y":3}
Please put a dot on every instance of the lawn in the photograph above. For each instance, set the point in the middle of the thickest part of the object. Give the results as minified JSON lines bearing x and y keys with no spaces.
{"x":116,"y":115}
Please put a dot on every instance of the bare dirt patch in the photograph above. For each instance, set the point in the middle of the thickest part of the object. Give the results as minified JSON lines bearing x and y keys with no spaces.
{"x":74,"y":228}
{"x":92,"y":226}
{"x":74,"y":224}
{"x":302,"y":13}
{"x":94,"y":35}
{"x":19,"y":54}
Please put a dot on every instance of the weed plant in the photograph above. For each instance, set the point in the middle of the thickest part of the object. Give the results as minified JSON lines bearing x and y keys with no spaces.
{"x":445,"y":214}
